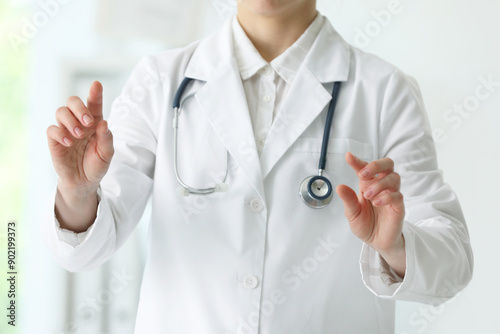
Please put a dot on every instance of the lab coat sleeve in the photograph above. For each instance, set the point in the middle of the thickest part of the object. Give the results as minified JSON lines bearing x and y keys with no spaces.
{"x":439,"y":259}
{"x":125,"y":189}
{"x":67,"y":236}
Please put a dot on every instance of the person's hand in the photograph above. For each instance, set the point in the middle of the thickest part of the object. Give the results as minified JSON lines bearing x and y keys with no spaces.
{"x":376,"y":215}
{"x":81,"y":145}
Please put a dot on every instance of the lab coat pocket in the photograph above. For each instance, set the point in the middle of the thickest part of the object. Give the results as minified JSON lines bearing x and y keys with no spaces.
{"x":337,"y":169}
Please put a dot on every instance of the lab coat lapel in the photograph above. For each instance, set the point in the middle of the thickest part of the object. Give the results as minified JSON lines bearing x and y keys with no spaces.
{"x":306,"y":99}
{"x":222,"y":99}
{"x":224,"y":103}
{"x":328,"y":61}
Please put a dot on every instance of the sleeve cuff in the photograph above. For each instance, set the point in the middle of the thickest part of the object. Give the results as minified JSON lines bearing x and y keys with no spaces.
{"x":72,"y":238}
{"x":379,"y":277}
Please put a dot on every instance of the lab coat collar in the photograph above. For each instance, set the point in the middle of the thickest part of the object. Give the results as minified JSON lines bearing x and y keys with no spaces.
{"x":288,"y":63}
{"x":328,"y":59}
{"x":211,"y":54}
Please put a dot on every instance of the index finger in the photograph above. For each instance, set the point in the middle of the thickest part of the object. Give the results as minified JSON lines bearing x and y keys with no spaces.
{"x":94,"y":101}
{"x":384,"y":165}
{"x":356,"y":163}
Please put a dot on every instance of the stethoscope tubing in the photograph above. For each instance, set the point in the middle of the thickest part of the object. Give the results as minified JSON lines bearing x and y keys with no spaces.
{"x":328,"y":127}
{"x":175,"y":124}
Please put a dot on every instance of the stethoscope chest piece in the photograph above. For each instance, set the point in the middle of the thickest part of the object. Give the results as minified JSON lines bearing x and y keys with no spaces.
{"x":316,"y":191}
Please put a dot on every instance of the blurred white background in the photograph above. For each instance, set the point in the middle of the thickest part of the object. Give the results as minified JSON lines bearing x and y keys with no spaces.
{"x":450,"y":47}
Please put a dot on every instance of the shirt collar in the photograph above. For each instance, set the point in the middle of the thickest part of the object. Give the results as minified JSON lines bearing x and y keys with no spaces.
{"x":329,"y":59}
{"x":286,"y":65}
{"x":248,"y":58}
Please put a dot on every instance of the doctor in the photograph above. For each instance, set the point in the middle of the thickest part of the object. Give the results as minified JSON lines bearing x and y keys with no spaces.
{"x":252,"y":257}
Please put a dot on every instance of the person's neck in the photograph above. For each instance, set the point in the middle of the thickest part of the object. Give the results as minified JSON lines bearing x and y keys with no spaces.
{"x":272,"y":35}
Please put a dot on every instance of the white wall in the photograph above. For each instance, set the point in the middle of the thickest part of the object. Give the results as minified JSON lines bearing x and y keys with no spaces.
{"x":445,"y":45}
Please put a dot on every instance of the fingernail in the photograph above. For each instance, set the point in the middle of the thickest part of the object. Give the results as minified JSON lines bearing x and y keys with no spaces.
{"x":78,"y":131}
{"x":365,"y":173}
{"x":66,"y":141}
{"x":87,"y":119}
{"x":377,"y":202}
{"x":368,"y":194}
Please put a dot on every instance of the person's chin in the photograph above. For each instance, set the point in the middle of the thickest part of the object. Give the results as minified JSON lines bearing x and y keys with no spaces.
{"x":265,"y":7}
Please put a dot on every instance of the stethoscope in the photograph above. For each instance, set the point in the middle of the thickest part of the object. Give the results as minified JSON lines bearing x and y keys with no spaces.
{"x":315,"y":190}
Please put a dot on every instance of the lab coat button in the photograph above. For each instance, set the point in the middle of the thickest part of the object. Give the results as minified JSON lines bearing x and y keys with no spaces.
{"x":251,"y":282}
{"x":266,"y":98}
{"x":256,"y":205}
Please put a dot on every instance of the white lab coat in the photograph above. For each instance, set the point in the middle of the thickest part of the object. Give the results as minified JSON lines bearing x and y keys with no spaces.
{"x":256,"y":259}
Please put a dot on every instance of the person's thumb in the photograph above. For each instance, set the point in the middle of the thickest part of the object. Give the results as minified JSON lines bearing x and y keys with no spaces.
{"x":104,"y":142}
{"x":352,"y":208}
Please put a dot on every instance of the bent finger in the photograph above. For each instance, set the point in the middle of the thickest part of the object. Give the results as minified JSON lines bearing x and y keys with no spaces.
{"x":384,"y":165}
{"x":356,"y":163}
{"x":56,"y":136}
{"x":66,"y":119}
{"x":81,"y":112}
{"x":395,"y":199}
{"x":390,"y":182}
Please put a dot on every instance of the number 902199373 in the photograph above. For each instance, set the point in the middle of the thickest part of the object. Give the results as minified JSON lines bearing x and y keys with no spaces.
{"x":11,"y":245}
